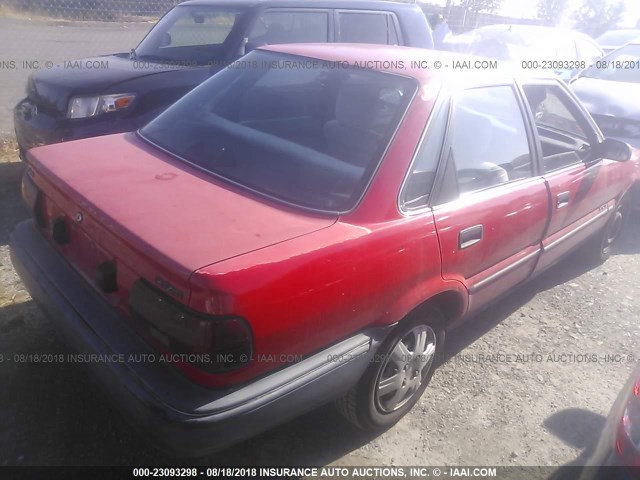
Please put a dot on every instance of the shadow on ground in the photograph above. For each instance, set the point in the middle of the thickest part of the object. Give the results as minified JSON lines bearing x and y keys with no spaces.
{"x":580,"y":429}
{"x":52,"y":414}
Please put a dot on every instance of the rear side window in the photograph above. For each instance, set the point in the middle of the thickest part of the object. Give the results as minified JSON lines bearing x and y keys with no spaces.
{"x":280,"y":26}
{"x":423,"y":172}
{"x":371,"y":27}
{"x":489,"y":144}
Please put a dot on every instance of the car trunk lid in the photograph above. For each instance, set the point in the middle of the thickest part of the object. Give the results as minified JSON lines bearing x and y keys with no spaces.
{"x":153,"y":216}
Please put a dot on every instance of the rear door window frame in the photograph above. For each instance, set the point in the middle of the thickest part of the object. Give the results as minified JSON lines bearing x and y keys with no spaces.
{"x":331,"y":32}
{"x":391,"y":17}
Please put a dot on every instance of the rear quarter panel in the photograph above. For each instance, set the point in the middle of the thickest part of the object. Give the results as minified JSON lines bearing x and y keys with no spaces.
{"x":305,"y":294}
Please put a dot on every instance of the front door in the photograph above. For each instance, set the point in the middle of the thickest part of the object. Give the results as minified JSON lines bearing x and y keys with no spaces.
{"x":583,"y":189}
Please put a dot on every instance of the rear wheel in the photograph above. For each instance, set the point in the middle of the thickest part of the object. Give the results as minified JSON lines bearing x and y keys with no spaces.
{"x":598,"y":249}
{"x":398,"y":376}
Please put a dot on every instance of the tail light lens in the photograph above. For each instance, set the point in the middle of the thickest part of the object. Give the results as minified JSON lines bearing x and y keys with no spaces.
{"x":628,"y":433}
{"x":214,"y":344}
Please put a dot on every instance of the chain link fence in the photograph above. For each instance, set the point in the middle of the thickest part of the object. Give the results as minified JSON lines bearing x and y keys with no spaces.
{"x":89,"y":10}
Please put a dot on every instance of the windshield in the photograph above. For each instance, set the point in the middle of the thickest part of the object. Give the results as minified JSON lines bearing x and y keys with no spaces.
{"x":190,"y":35}
{"x":300,"y":130}
{"x":623,"y":65}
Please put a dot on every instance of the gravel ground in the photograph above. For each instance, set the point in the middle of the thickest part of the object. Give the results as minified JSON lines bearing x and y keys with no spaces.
{"x":481,"y":408}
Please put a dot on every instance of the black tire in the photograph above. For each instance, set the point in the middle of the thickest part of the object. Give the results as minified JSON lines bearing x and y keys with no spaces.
{"x":366,"y":405}
{"x":598,"y":249}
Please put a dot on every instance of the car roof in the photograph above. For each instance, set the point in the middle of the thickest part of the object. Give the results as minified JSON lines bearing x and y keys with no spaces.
{"x":364,"y":4}
{"x":398,"y":60}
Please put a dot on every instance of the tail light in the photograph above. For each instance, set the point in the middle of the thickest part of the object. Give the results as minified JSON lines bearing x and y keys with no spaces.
{"x":212,"y":343}
{"x":628,"y":432}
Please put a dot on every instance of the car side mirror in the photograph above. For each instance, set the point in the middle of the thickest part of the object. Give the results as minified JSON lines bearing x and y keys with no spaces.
{"x":613,"y":149}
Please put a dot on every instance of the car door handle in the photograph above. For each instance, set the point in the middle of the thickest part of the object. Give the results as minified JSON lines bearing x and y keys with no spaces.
{"x":562,"y":200}
{"x":470,"y":236}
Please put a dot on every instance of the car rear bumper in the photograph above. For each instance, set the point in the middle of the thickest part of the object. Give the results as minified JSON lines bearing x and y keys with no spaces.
{"x":181,"y":417}
{"x":35,"y":128}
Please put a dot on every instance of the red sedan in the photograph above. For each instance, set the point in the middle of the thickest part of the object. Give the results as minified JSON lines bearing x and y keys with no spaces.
{"x":304,"y":227}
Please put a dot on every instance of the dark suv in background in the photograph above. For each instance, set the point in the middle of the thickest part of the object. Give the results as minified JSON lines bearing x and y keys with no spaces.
{"x":189,"y":44}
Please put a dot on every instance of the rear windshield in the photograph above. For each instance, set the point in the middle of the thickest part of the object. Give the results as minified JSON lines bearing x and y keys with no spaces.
{"x":623,"y":65}
{"x":191,"y":35}
{"x":300,"y":130}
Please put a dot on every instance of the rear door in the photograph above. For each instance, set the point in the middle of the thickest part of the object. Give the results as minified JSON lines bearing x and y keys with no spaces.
{"x":491,"y":206}
{"x":583,"y":189}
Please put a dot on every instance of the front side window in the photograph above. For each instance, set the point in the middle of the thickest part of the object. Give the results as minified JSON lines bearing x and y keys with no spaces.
{"x":561,"y":129}
{"x":190,"y":34}
{"x":293,"y":128}
{"x":489,"y":144}
{"x":376,"y":28}
{"x":279,"y":26}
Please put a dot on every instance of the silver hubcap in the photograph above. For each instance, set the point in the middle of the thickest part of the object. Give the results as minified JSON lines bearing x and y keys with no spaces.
{"x":405,"y":368}
{"x":616,"y":228}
